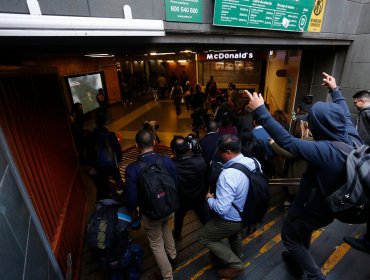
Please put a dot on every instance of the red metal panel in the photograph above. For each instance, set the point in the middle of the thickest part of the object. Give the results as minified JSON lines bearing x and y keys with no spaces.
{"x":35,"y":123}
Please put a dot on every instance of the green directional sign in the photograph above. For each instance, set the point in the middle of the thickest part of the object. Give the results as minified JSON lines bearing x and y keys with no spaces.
{"x":287,"y":15}
{"x":184,"y":10}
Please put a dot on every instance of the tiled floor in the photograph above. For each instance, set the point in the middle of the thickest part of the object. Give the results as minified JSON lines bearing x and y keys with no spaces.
{"x":162,"y":111}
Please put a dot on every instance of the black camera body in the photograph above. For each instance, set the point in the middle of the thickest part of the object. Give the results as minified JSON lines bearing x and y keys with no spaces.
{"x":188,"y":143}
{"x":193,"y":143}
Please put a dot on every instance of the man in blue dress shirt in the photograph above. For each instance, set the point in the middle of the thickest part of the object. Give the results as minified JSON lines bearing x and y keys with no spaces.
{"x":232,"y":187}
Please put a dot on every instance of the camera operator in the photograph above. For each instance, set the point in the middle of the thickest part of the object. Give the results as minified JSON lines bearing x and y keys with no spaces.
{"x":191,"y":170}
{"x":193,"y":143}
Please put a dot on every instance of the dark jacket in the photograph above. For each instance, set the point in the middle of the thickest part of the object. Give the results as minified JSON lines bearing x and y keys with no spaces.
{"x":133,"y":172}
{"x":198,"y":99}
{"x":91,"y":145}
{"x":208,"y":143}
{"x":224,"y":110}
{"x":191,"y":172}
{"x":363,"y":125}
{"x":326,"y":164}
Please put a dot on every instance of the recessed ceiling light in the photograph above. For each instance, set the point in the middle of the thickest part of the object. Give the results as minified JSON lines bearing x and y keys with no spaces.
{"x":226,"y":51}
{"x":154,"y":53}
{"x":99,"y":55}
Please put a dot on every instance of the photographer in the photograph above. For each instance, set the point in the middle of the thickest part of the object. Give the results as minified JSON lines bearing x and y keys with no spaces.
{"x":191,"y":172}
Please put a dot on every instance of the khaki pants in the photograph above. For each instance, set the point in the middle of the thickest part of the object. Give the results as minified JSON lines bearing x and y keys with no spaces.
{"x":162,"y":244}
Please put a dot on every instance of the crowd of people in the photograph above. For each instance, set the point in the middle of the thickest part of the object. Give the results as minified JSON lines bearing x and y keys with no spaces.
{"x":237,"y":130}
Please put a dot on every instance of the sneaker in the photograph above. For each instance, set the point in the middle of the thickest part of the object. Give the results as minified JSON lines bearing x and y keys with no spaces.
{"x":357,"y":243}
{"x":293,"y":267}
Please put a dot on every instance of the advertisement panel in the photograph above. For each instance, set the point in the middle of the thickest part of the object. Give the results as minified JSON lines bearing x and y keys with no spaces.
{"x":184,"y":10}
{"x":284,"y":15}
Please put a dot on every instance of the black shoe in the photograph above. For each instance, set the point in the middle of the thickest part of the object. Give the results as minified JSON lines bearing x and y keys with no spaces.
{"x":157,"y":276}
{"x":173,"y":262}
{"x":229,"y":272}
{"x":357,"y":243}
{"x":176,"y":236}
{"x":216,"y":261}
{"x":293,"y":267}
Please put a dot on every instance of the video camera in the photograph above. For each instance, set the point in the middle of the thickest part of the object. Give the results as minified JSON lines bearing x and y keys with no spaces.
{"x":193,"y":143}
{"x":189,"y":143}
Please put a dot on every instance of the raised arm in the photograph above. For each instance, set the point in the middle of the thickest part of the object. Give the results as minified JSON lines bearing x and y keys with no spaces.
{"x":336,"y":95}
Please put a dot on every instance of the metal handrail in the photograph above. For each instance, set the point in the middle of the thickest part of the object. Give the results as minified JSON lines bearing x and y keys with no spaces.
{"x":271,"y":97}
{"x":284,"y":181}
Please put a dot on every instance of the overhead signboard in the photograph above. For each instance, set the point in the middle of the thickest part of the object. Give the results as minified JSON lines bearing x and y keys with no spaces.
{"x":285,"y":15}
{"x":317,"y":16}
{"x":184,"y":10}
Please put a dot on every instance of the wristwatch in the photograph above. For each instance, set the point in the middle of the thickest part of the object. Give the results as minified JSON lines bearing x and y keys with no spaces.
{"x":334,"y":89}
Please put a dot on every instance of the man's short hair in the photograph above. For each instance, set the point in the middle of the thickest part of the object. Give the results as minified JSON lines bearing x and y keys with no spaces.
{"x":255,"y":119}
{"x":229,"y":142}
{"x":212,"y":126}
{"x":144,"y":138}
{"x":362,"y":94}
{"x":179,"y":145}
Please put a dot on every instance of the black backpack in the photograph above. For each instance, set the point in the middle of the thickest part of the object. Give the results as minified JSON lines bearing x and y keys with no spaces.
{"x":158,"y":190}
{"x":103,"y":231}
{"x":256,"y":204}
{"x":102,"y":227}
{"x":350,"y":203}
{"x":104,"y":152}
{"x":177,"y":92}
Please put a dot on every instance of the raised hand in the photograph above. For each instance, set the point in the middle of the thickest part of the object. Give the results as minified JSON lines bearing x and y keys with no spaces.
{"x":255,"y":100}
{"x":329,"y":81}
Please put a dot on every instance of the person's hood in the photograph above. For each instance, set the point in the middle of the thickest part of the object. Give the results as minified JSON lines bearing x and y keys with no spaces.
{"x":328,"y":122}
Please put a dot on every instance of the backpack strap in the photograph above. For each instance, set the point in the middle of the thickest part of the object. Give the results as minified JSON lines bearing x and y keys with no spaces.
{"x":247,"y":172}
{"x":343,"y":147}
{"x":144,"y":164}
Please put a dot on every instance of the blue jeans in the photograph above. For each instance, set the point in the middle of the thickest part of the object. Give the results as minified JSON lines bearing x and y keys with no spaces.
{"x":296,"y":235}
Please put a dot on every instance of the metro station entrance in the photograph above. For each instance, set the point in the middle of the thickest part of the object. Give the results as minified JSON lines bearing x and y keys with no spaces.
{"x":273,"y":73}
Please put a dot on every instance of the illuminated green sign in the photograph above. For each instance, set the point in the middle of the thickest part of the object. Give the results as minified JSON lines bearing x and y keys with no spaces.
{"x":184,"y":10}
{"x":287,"y":15}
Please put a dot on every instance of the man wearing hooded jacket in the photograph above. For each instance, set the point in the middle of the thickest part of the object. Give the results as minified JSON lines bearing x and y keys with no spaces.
{"x":325,"y":172}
